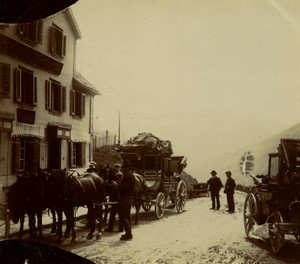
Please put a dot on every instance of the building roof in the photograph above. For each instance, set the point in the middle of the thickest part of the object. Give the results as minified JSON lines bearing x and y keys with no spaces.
{"x":70,"y":17}
{"x":83,"y":84}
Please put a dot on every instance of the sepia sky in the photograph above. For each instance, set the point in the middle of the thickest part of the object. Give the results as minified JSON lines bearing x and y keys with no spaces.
{"x":211,"y":76}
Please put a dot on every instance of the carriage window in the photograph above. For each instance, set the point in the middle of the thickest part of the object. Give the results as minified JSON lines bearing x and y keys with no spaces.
{"x":150,"y":162}
{"x":273,"y":169}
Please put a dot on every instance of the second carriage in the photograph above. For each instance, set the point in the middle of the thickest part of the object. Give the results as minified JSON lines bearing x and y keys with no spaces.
{"x":152,"y":158}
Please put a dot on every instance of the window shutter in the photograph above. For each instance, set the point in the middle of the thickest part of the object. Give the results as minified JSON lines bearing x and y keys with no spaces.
{"x":63,"y":98}
{"x":72,"y":158}
{"x":72,"y":102}
{"x":83,"y":153}
{"x":82,"y":105}
{"x":16,"y":152}
{"x":52,"y":39}
{"x":18,"y":85}
{"x":47,"y":95}
{"x":40,"y":31}
{"x":34,"y":91}
{"x":36,"y":153}
{"x":5,"y":80}
{"x":64,"y":46}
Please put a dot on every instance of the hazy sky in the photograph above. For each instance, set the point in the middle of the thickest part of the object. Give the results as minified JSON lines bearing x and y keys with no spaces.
{"x":210,"y":76}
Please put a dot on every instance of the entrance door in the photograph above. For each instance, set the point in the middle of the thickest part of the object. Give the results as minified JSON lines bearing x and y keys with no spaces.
{"x":54,"y":154}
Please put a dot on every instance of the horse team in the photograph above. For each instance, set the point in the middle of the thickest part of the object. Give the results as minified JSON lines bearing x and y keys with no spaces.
{"x":61,"y":192}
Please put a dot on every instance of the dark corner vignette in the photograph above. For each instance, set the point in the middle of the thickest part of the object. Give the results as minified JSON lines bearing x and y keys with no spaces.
{"x":20,"y":11}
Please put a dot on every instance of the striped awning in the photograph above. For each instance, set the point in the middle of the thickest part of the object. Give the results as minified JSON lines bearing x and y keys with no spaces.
{"x":26,"y":130}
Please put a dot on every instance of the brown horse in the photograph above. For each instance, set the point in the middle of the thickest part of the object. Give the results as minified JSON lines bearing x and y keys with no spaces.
{"x":67,"y":191}
{"x":139,"y":189}
{"x":89,"y":190}
{"x":27,"y":195}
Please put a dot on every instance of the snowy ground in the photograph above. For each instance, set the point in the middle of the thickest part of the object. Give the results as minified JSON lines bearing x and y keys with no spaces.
{"x":198,"y":235}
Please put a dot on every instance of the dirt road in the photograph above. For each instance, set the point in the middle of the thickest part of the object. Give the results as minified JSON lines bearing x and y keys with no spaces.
{"x":198,"y":235}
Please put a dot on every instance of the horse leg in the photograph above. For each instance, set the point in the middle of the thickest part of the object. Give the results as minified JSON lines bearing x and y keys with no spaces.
{"x":99,"y":210}
{"x":137,"y":206}
{"x":71,"y":224}
{"x":31,"y":224}
{"x":22,"y":218}
{"x":59,"y":224}
{"x":53,"y":228}
{"x":92,"y":217}
{"x":39,"y":215}
{"x":69,"y":219}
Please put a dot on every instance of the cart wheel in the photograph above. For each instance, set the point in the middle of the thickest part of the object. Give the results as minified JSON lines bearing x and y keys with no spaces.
{"x":4,"y":223}
{"x":250,"y":212}
{"x":160,"y":205}
{"x":181,"y":194}
{"x":146,"y":205}
{"x":276,"y":238}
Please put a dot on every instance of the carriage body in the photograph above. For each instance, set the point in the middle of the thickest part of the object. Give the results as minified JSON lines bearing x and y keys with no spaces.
{"x":275,"y":200}
{"x":152,"y":158}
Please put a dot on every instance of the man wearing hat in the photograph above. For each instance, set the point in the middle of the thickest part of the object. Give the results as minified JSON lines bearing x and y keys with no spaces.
{"x":126,"y":189}
{"x":214,"y":186}
{"x":229,"y":190}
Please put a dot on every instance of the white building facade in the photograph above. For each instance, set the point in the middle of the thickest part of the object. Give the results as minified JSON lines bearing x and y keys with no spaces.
{"x":46,"y":107}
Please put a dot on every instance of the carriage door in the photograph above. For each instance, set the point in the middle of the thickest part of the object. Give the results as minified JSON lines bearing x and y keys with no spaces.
{"x":54,"y":154}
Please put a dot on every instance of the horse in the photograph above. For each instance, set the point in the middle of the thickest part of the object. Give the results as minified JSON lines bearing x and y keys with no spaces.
{"x":27,"y":196}
{"x":139,"y":189}
{"x":70,"y":191}
{"x":89,"y":190}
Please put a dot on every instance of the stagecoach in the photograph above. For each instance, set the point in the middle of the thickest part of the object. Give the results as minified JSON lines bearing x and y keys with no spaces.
{"x":274,"y":202}
{"x":152,"y":158}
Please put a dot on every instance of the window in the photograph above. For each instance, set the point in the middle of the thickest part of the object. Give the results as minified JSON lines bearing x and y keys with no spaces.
{"x":31,"y":32}
{"x":25,"y":87}
{"x":77,"y":104}
{"x":55,"y":96}
{"x":57,"y":42}
{"x":4,"y":80}
{"x":78,"y":154}
{"x":26,"y":153}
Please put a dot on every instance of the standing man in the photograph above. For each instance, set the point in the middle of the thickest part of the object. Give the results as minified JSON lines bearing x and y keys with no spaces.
{"x":126,"y":199}
{"x":229,"y":190}
{"x":214,"y":186}
{"x":115,"y":197}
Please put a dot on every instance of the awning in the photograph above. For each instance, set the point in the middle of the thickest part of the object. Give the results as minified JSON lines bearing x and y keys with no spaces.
{"x":26,"y":130}
{"x":80,"y":136}
{"x":79,"y":82}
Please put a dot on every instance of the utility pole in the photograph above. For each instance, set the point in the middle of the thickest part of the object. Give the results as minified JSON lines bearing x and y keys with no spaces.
{"x":119,"y":129}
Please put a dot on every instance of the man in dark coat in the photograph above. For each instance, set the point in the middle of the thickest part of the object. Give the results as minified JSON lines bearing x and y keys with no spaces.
{"x":229,"y":190}
{"x":214,"y":186}
{"x":115,"y":197}
{"x":126,"y":189}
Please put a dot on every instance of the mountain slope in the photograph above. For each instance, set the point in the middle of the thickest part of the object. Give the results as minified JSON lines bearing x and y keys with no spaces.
{"x":232,"y":161}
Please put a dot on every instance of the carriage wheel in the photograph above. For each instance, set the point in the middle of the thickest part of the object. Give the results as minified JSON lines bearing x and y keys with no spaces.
{"x":160,"y":205}
{"x":146,"y":205}
{"x":4,"y":223}
{"x":276,"y":238}
{"x":250,"y":213}
{"x":181,"y":194}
